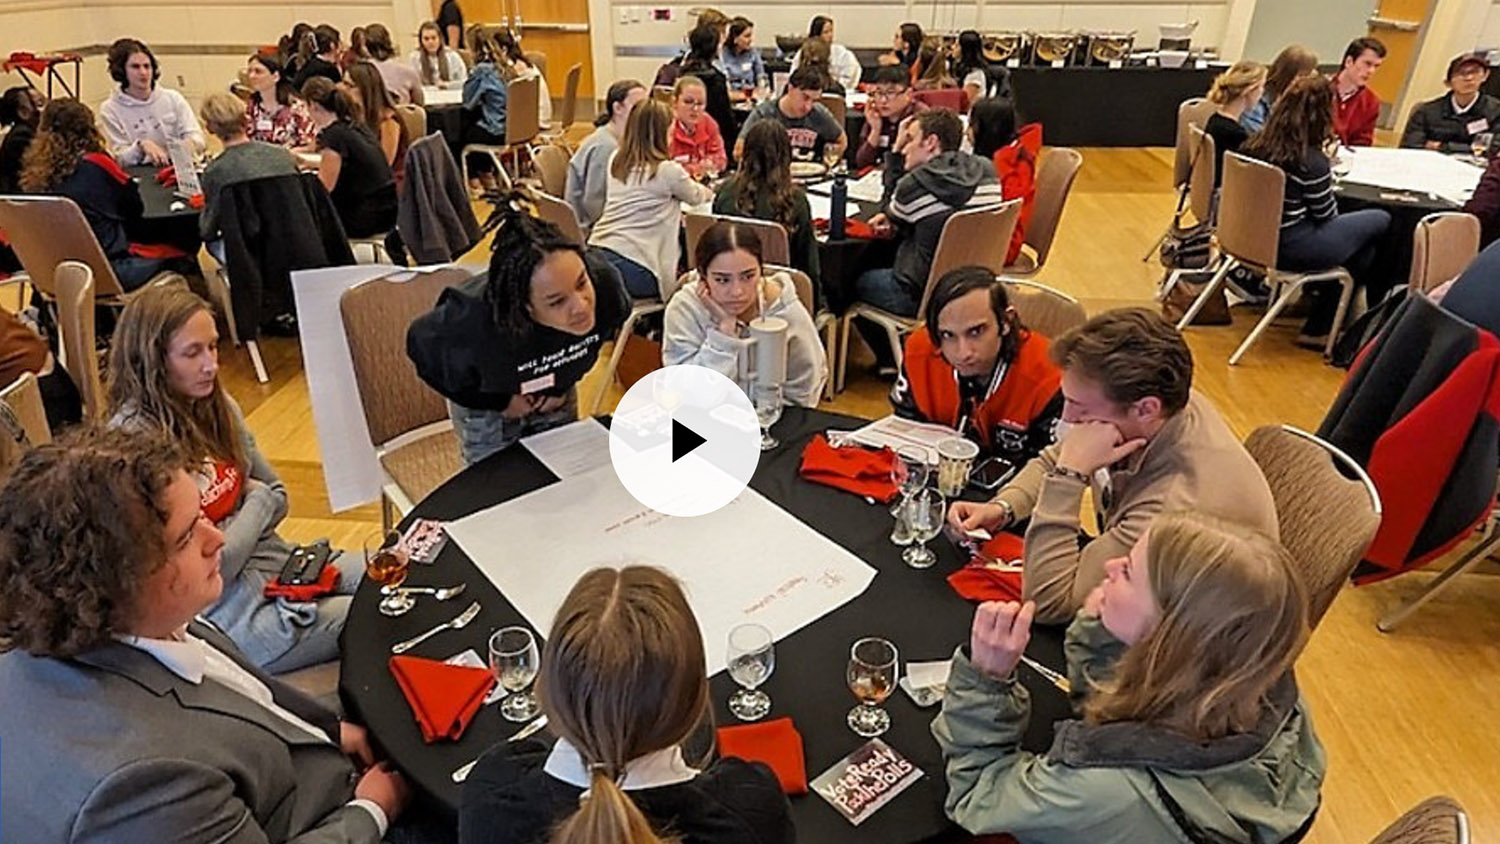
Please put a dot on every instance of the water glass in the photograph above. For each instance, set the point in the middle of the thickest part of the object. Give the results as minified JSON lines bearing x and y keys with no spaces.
{"x":752,"y":658}
{"x":924,"y":519}
{"x":768,"y":412}
{"x":1480,"y":144}
{"x":874,"y":668}
{"x":386,"y":563}
{"x":910,"y":471}
{"x":515,"y":661}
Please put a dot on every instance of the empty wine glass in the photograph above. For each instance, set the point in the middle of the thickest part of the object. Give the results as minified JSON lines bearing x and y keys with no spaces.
{"x":768,"y":412}
{"x":515,"y":661}
{"x":874,"y":668}
{"x":1480,"y":144}
{"x":924,"y":520}
{"x":752,"y":658}
{"x":386,"y":563}
{"x":910,"y":471}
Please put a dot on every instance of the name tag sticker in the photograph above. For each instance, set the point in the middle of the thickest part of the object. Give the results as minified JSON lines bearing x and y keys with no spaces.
{"x":1477,"y":126}
{"x":264,"y":125}
{"x":1115,"y":63}
{"x":536,"y":385}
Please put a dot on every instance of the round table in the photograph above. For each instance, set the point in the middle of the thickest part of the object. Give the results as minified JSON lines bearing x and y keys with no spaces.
{"x":915,"y":609}
{"x":1392,"y":265}
{"x":160,"y":221}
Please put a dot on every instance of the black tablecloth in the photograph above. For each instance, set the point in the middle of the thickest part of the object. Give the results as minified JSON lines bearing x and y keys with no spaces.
{"x":449,"y":120}
{"x":1394,"y":252}
{"x":915,"y":609}
{"x":160,"y":222}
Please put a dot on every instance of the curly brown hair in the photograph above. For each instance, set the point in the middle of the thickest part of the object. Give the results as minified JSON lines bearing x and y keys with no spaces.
{"x":81,"y":529}
{"x":1300,"y":122}
{"x":67,"y":133}
{"x":766,"y":171}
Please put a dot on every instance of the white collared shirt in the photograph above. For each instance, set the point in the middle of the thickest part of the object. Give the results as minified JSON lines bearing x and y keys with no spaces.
{"x":195,"y":660}
{"x":654,"y":770}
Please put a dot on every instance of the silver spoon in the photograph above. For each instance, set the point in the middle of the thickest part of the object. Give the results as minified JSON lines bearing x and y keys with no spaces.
{"x":442,"y":593}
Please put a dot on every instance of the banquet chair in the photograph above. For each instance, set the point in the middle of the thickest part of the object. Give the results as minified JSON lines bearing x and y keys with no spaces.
{"x":1436,"y":820}
{"x":976,"y":237}
{"x":823,"y":319}
{"x":414,"y":120}
{"x":567,"y":115}
{"x":1314,"y":486}
{"x":836,"y":105}
{"x":560,"y":214}
{"x":1249,"y":232}
{"x":522,"y":124}
{"x":408,"y":421}
{"x":551,"y":162}
{"x":1443,"y":245}
{"x":1193,"y":111}
{"x":639,"y":308}
{"x":1045,"y":310}
{"x":1200,"y":203}
{"x":23,"y":421}
{"x":1055,"y":174}
{"x":537,"y":59}
{"x":75,"y":325}
{"x":774,"y":245}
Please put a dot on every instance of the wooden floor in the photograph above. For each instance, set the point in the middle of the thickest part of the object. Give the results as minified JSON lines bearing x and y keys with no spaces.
{"x":1402,"y":716}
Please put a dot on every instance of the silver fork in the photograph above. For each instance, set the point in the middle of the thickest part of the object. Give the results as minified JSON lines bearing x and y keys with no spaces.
{"x":462,"y":619}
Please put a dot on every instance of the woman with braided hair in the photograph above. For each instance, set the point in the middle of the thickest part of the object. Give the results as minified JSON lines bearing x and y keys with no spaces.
{"x":507,"y":348}
{"x":623,"y":685}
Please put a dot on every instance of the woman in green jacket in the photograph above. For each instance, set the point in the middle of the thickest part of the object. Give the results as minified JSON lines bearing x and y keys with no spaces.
{"x":1193,"y":729}
{"x":763,"y":189}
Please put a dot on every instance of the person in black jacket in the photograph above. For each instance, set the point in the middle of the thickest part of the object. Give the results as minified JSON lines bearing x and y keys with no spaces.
{"x":1450,"y":123}
{"x":624,"y":646}
{"x":702,"y":62}
{"x":21,"y":110}
{"x":352,"y":166}
{"x":508,"y":349}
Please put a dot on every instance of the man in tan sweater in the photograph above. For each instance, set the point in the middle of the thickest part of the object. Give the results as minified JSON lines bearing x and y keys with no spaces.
{"x":1136,"y":435}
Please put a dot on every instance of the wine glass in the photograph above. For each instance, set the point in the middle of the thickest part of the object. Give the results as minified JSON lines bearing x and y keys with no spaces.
{"x":1480,"y":144}
{"x":910,"y":473}
{"x":515,"y":661}
{"x":752,"y":658}
{"x":924,"y":519}
{"x":831,"y":157}
{"x":874,"y":668}
{"x":386,"y":563}
{"x":768,"y":412}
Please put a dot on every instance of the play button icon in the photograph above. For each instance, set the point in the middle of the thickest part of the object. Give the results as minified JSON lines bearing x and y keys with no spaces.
{"x":685,"y":440}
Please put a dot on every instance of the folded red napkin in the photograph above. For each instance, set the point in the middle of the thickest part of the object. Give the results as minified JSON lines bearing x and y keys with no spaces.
{"x":195,"y":202}
{"x":977,"y":582}
{"x":853,"y":228}
{"x":861,"y":471}
{"x":443,"y":697}
{"x":776,"y":743}
{"x":156,"y":250}
{"x":324,"y":585}
{"x":167,"y":176}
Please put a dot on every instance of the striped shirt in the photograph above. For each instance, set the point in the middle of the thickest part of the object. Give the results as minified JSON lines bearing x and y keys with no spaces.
{"x":1309,"y":192}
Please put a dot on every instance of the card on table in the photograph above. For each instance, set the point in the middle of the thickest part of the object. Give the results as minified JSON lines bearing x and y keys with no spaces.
{"x":860,"y":783}
{"x":424,"y":539}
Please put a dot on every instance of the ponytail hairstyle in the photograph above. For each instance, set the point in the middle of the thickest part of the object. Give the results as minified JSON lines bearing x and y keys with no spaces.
{"x":644,"y":145}
{"x":325,"y":38}
{"x":622,"y":676}
{"x":378,"y":42}
{"x":617,"y":94}
{"x":1234,"y":82}
{"x":327,"y":94}
{"x":522,"y":241}
{"x":965,"y":280}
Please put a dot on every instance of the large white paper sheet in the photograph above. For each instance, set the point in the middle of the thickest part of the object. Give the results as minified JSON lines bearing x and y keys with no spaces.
{"x":1416,"y":170}
{"x":893,"y":432}
{"x":435,"y":96}
{"x":576,"y":448}
{"x":750,"y":561}
{"x":822,"y":207}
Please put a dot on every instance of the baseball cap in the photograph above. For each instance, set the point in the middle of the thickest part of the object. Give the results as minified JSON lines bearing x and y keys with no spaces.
{"x":1467,"y":58}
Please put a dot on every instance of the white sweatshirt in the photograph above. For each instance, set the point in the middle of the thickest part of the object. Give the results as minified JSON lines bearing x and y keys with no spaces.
{"x":457,"y":72}
{"x":690,"y":335}
{"x":642,"y":218}
{"x":163,"y":116}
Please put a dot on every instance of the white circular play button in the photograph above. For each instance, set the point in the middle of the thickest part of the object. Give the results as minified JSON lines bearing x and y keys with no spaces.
{"x":684,"y":440}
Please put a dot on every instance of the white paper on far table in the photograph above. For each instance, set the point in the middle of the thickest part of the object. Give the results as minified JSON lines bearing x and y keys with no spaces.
{"x":535,"y":547}
{"x":573,"y":449}
{"x":893,"y":432}
{"x":1422,"y":171}
{"x":435,"y":96}
{"x":822,"y":207}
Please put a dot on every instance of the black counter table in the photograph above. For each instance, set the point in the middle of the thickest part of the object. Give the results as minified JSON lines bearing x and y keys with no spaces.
{"x":915,"y":609}
{"x":161,"y":222}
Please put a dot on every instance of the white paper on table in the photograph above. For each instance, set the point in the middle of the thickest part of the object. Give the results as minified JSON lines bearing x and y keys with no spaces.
{"x":868,"y":188}
{"x":535,"y":547}
{"x":1422,"y":171}
{"x":573,"y":449}
{"x":822,"y":207}
{"x":927,"y":674}
{"x":893,"y":432}
{"x":435,"y":96}
{"x":856,"y":99}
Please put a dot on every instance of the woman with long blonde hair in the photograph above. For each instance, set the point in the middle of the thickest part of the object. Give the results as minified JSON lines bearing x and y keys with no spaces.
{"x":163,"y":378}
{"x":1233,"y":91}
{"x":637,"y":231}
{"x":623,"y":685}
{"x":1193,"y":728}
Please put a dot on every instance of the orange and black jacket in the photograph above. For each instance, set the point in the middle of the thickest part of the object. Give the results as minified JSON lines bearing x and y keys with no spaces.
{"x":1015,"y":421}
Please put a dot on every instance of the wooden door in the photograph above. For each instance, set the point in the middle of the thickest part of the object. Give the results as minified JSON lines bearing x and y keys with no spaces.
{"x":558,"y":28}
{"x":1398,"y":25}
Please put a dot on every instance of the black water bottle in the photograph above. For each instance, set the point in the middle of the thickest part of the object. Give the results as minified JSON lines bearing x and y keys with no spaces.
{"x":838,"y":199}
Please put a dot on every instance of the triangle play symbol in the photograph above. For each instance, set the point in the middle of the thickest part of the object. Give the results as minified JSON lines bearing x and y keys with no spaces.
{"x":684,"y":440}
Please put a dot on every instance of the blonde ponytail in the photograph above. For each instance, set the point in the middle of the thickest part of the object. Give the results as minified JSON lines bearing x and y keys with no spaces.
{"x":606,"y":815}
{"x":1234,"y":82}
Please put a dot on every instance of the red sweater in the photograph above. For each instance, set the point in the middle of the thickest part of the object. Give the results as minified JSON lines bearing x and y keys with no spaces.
{"x":1354,"y":118}
{"x":1015,"y":165}
{"x":700,"y":146}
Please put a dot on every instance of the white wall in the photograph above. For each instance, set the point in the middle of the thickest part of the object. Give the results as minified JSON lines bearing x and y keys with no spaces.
{"x":1326,"y":26}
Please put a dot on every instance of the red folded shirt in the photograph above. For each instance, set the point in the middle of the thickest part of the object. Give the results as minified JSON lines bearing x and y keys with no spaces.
{"x":324,"y":585}
{"x":977,"y":582}
{"x":442,"y":697}
{"x":776,"y":743}
{"x":861,"y":471}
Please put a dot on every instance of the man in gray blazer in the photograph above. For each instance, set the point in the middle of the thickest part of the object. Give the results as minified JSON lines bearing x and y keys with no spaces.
{"x":122,"y":719}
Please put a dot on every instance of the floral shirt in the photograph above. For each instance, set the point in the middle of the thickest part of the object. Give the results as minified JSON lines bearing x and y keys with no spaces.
{"x":287,"y":126}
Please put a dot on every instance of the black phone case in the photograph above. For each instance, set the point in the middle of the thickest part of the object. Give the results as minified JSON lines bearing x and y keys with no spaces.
{"x":305,"y":564}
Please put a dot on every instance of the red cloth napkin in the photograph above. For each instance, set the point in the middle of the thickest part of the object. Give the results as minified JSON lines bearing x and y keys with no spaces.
{"x":443,"y":697}
{"x":196,"y":201}
{"x":167,"y":176}
{"x":861,"y":471}
{"x":853,"y":228}
{"x":776,"y":743}
{"x":324,"y":585}
{"x":976,"y":582}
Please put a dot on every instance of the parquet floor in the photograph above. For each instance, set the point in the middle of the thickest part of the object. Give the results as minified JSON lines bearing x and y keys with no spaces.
{"x":1403,"y":716}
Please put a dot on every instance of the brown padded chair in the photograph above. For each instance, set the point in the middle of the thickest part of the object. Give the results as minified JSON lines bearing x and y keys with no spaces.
{"x":522,"y":124}
{"x":1249,"y":231}
{"x":24,"y":421}
{"x":1200,"y":202}
{"x":977,"y":237}
{"x":1443,"y":245}
{"x":1317,"y":487}
{"x":775,"y":247}
{"x":824,"y":320}
{"x":1436,"y":820}
{"x":567,"y":114}
{"x":1045,"y":310}
{"x":552,"y":168}
{"x":45,"y":231}
{"x":75,"y":323}
{"x":414,"y":120}
{"x":408,"y":421}
{"x":1055,"y":174}
{"x":1193,"y":111}
{"x":837,"y":106}
{"x":560,"y":214}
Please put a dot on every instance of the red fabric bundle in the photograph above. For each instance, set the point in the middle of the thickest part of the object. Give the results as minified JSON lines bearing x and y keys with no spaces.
{"x":776,"y":743}
{"x":167,"y":176}
{"x":442,"y":697}
{"x":861,"y":471}
{"x":324,"y":585}
{"x":978,"y":582}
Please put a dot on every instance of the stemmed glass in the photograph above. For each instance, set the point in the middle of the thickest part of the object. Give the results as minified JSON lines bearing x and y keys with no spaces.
{"x":924,"y":520}
{"x":1480,"y":145}
{"x":515,"y":661}
{"x":874,"y":668}
{"x":386,"y":563}
{"x":752,"y":658}
{"x":910,"y":473}
{"x":768,"y":412}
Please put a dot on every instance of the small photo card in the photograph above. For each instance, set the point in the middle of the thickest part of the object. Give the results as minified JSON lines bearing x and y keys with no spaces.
{"x":862,"y":782}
